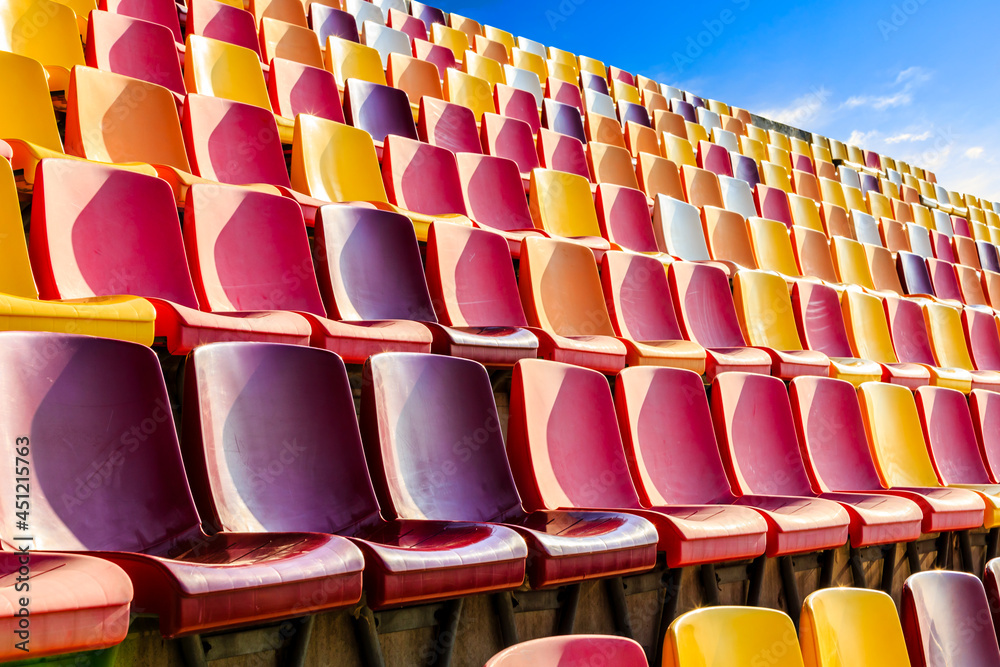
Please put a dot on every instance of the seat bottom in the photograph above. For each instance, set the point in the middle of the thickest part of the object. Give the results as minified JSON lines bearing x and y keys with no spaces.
{"x":911,"y":376}
{"x":854,"y":370}
{"x":123,"y":317}
{"x":944,"y":509}
{"x":879,"y":518}
{"x":490,"y":346}
{"x":356,"y":341}
{"x":673,"y":353}
{"x":789,"y":364}
{"x":600,"y":353}
{"x":185,"y":328}
{"x":741,"y":359}
{"x":799,"y":525}
{"x":697,"y":534}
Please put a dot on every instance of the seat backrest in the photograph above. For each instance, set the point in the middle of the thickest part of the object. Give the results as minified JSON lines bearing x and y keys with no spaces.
{"x":947,"y":336}
{"x":485,"y":68}
{"x":134,"y":48}
{"x":279,"y":39}
{"x":658,"y":176}
{"x":851,"y":626}
{"x":426,"y":13}
{"x":453,"y":39}
{"x":556,"y":451}
{"x":985,"y":408}
{"x":638,"y":299}
{"x":351,"y":60}
{"x":294,"y":88}
{"x":135,"y":106}
{"x":494,"y":196}
{"x":772,"y":247}
{"x":561,"y":289}
{"x":611,"y":164}
{"x":43,"y":30}
{"x":412,"y":26}
{"x":882,"y":268}
{"x":368,"y":266}
{"x":378,"y":110}
{"x":866,"y":229}
{"x":895,"y":436}
{"x":417,"y":78}
{"x":469,"y":91}
{"x":982,"y":338}
{"x":222,"y":21}
{"x":561,"y":152}
{"x":441,"y":56}
{"x":942,"y":247}
{"x":831,"y":435}
{"x":714,"y":158}
{"x":224,"y":70}
{"x":772,"y":203}
{"x":232,"y":142}
{"x":745,"y":169}
{"x":385,"y":40}
{"x":15,"y":269}
{"x":574,"y":651}
{"x":701,"y":187}
{"x":101,"y":391}
{"x":509,"y":138}
{"x":561,"y":204}
{"x":101,"y":231}
{"x":335,"y":162}
{"x":736,"y":636}
{"x":678,"y":230}
{"x":865,"y":321}
{"x":812,"y":254}
{"x":332,"y":22}
{"x":247,"y":404}
{"x":704,"y":304}
{"x":913,"y":273}
{"x":765,"y":310}
{"x":28,"y":115}
{"x":517,"y":104}
{"x":971,"y":285}
{"x":408,"y":439}
{"x":624,"y":217}
{"x":920,"y":240}
{"x":737,"y":197}
{"x":448,"y":125}
{"x":604,"y":130}
{"x":564,"y":119}
{"x":565,"y":92}
{"x":950,"y":436}
{"x":249,"y":251}
{"x":946,"y":620}
{"x":471,"y":278}
{"x":287,"y":11}
{"x":989,"y":259}
{"x":726,"y":234}
{"x":966,"y":252}
{"x":908,"y":330}
{"x":819,"y":320}
{"x":421,"y":178}
{"x":852,"y":262}
{"x":155,"y":11}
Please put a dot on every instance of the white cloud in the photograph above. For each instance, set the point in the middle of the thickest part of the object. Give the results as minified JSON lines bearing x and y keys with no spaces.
{"x":974,"y":153}
{"x":915,"y":74}
{"x":909,"y":78}
{"x":909,"y":137}
{"x":802,"y":110}
{"x":862,"y":139}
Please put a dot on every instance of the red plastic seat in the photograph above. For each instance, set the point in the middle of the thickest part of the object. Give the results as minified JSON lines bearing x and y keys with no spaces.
{"x":838,"y":458}
{"x":369,"y":270}
{"x":250,"y":251}
{"x":946,"y":621}
{"x":985,"y":408}
{"x":77,"y":603}
{"x":294,"y":88}
{"x":575,"y":651}
{"x":510,"y":138}
{"x":448,"y":125}
{"x":623,"y":214}
{"x":707,"y":315}
{"x":753,"y":419}
{"x":714,"y":158}
{"x":135,"y":48}
{"x":221,"y":21}
{"x":556,"y":451}
{"x":517,"y":104}
{"x":562,"y":153}
{"x":442,"y":56}
{"x":163,"y":12}
{"x":242,"y":400}
{"x":642,"y":314}
{"x":982,"y":337}
{"x":772,"y":203}
{"x":912,"y":343}
{"x":101,"y":231}
{"x":420,"y":413}
{"x":140,"y":515}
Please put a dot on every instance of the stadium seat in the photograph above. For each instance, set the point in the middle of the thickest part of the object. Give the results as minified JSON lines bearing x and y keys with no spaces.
{"x":469,"y":91}
{"x":385,"y":40}
{"x":772,"y":204}
{"x":726,"y":234}
{"x":642,"y":315}
{"x":332,"y":22}
{"x":868,"y":333}
{"x":736,"y":636}
{"x":946,"y":621}
{"x":714,"y":158}
{"x":294,"y":88}
{"x":447,"y":125}
{"x":524,"y":80}
{"x":773,"y":248}
{"x":944,"y":281}
{"x":812,"y":254}
{"x":518,"y":104}
{"x":362,"y":11}
{"x":805,"y":213}
{"x":911,"y":341}
{"x":146,"y":522}
{"x":866,"y":228}
{"x":704,"y":306}
{"x":450,"y":38}
{"x":413,"y":27}
{"x":226,"y":23}
{"x":658,"y":176}
{"x":403,"y":402}
{"x":134,"y":48}
{"x":287,"y":11}
{"x":441,"y":56}
{"x":484,"y":68}
{"x":490,"y":48}
{"x":564,"y":119}
{"x":46,"y":32}
{"x":604,"y":130}
{"x":561,"y":152}
{"x":292,"y":42}
{"x":623,"y":214}
{"x":849,"y":626}
{"x":351,"y":60}
{"x":591,"y":81}
{"x":678,"y":230}
{"x":429,"y":15}
{"x":738,"y":197}
{"x":510,"y":138}
{"x":562,"y":205}
{"x":948,"y":341}
{"x":701,"y":187}
{"x":611,"y":164}
{"x":224,"y":70}
{"x":564,"y":92}
{"x":260,"y":395}
{"x":379,"y":111}
{"x":576,"y":651}
{"x":913,"y":274}
{"x":985,"y":408}
{"x":629,"y":112}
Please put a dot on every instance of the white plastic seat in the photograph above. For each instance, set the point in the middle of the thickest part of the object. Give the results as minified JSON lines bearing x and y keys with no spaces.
{"x":524,"y":79}
{"x":385,"y":40}
{"x":678,"y":224}
{"x":737,"y":197}
{"x":920,"y":240}
{"x":364,"y":11}
{"x":599,"y":103}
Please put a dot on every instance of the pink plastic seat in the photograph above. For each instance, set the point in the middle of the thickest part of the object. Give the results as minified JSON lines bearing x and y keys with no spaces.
{"x":714,"y":158}
{"x":985,"y":408}
{"x":136,"y":48}
{"x":369,"y":270}
{"x":442,"y":56}
{"x":562,"y":153}
{"x":510,"y":138}
{"x":753,"y":419}
{"x":772,"y":203}
{"x":941,"y":245}
{"x":564,"y":92}
{"x":912,"y":343}
{"x":250,"y":251}
{"x":101,"y":231}
{"x":517,"y":104}
{"x":946,"y":621}
{"x":420,"y":412}
{"x":944,"y":280}
{"x":838,"y":459}
{"x":556,"y":451}
{"x":142,"y":517}
{"x":294,"y":88}
{"x":221,"y":21}
{"x":982,"y":337}
{"x":412,"y":26}
{"x":163,"y":12}
{"x":448,"y":125}
{"x":705,"y":311}
{"x":623,"y":214}
{"x":575,"y":651}
{"x":243,"y":400}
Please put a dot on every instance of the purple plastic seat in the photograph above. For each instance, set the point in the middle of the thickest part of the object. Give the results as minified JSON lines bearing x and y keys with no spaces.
{"x":378,"y":110}
{"x":248,"y":403}
{"x":421,"y":414}
{"x":988,"y":256}
{"x":913,"y":274}
{"x":136,"y":48}
{"x":427,"y":14}
{"x":562,"y":153}
{"x":369,"y":269}
{"x":946,"y":621}
{"x":745,"y":169}
{"x":218,"y":20}
{"x":448,"y":125}
{"x":869,"y":183}
{"x":250,"y":251}
{"x":591,"y":81}
{"x":84,"y":402}
{"x":564,"y":119}
{"x":631,"y":112}
{"x":331,"y":22}
{"x":685,"y":109}
{"x":294,"y":88}
{"x":516,"y":103}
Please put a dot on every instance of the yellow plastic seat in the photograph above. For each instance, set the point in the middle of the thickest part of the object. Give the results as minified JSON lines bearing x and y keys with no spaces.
{"x":821,"y":153}
{"x":695,"y":132}
{"x":800,"y":146}
{"x":832,"y":192}
{"x":562,"y":71}
{"x":851,"y":262}
{"x":779,"y":156}
{"x":561,"y":56}
{"x":123,"y":317}
{"x":753,"y":149}
{"x":869,"y":337}
{"x":350,"y":60}
{"x":337,"y":163}
{"x":279,"y":39}
{"x":779,"y":139}
{"x":562,"y":205}
{"x":484,"y":68}
{"x":922,"y":216}
{"x":532,"y":62}
{"x":854,"y":199}
{"x":624,"y":92}
{"x":678,"y":150}
{"x":772,"y":247}
{"x":45,"y":31}
{"x":450,"y":38}
{"x":469,"y":91}
{"x":288,"y":11}
{"x":82,"y":9}
{"x":758,"y":134}
{"x":878,"y":205}
{"x":776,"y":176}
{"x":732,"y":637}
{"x":846,"y":627}
{"x":948,"y":342}
{"x":592,"y":66}
{"x":805,"y":213}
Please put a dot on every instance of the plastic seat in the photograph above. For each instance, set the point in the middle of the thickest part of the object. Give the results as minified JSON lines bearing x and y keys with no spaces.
{"x":812,"y":254}
{"x":564,"y":92}
{"x":603,"y":130}
{"x":853,"y":267}
{"x":226,"y":23}
{"x":737,"y":197}
{"x":611,"y":164}
{"x":985,"y":408}
{"x":714,"y":158}
{"x":948,"y":341}
{"x":510,"y":138}
{"x":591,"y":81}
{"x":642,"y":315}
{"x":678,"y":229}
{"x":868,"y":333}
{"x":704,"y":306}
{"x":913,"y":274}
{"x":575,"y":651}
{"x":853,"y":462}
{"x":417,"y":78}
{"x":441,"y":56}
{"x":882,"y":269}
{"x":772,"y":204}
{"x":726,"y":234}
{"x":291,"y":42}
{"x":287,"y":11}
{"x":427,"y":14}
{"x":678,"y":150}
{"x":385,"y":40}
{"x":850,"y":626}
{"x":623,"y":214}
{"x":293,"y":395}
{"x":450,"y":38}
{"x":224,"y":70}
{"x":701,"y":187}
{"x":745,"y":169}
{"x":294,"y":88}
{"x":562,"y":205}
{"x":514,"y":103}
{"x":469,"y":91}
{"x":401,"y":411}
{"x":484,"y":68}
{"x":735,"y":636}
{"x":989,"y":258}
{"x":946,"y":621}
{"x":350,"y":60}
{"x":564,"y":119}
{"x":525,"y":81}
{"x":658,"y":176}
{"x":447,"y":125}
{"x":331,"y":22}
{"x":548,"y":438}
{"x":134,"y":48}
{"x":912,"y":343}
{"x":84,"y":245}
{"x":145,"y":522}
{"x":48,"y":33}
{"x":821,"y":327}
{"x":944,"y":281}
{"x":773,"y":248}
{"x":379,"y":111}
{"x":560,"y":152}
{"x":491,"y":48}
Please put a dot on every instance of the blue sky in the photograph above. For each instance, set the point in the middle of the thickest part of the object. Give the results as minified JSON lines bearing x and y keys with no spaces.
{"x":914,"y":79}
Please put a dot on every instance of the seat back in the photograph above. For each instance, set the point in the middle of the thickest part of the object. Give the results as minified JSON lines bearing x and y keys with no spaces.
{"x":427,"y":14}
{"x":493,"y":192}
{"x":417,"y":78}
{"x":982,"y":339}
{"x":726,"y":234}
{"x":469,"y":91}
{"x":985,"y":408}
{"x":351,"y":60}
{"x":250,"y":404}
{"x":15,"y":269}
{"x":565,"y":92}
{"x":851,"y":626}
{"x":611,"y":164}
{"x":224,"y":70}
{"x":385,"y":40}
{"x":658,"y":176}
{"x":134,"y":48}
{"x":812,"y":254}
{"x":221,"y":21}
{"x":701,"y":187}
{"x":378,"y":110}
{"x":331,"y":22}
{"x":950,"y":436}
{"x":624,"y":217}
{"x":908,"y":330}
{"x":895,"y":436}
{"x":947,"y":336}
{"x":513,"y":102}
{"x":154,"y":11}
{"x":294,"y":89}
{"x":704,"y":305}
{"x":561,"y":204}
{"x":852,"y":262}
{"x":944,"y":280}
{"x":714,"y":158}
{"x":882,"y":268}
{"x":635,"y":289}
{"x":249,"y":251}
{"x":101,"y":231}
{"x":447,"y":125}
{"x":913,"y":274}
{"x":471,"y":278}
{"x":287,"y":11}
{"x":408,"y":439}
{"x":441,"y":56}
{"x":678,"y":230}
{"x":736,"y":636}
{"x":45,"y":31}
{"x":368,"y":266}
{"x":819,"y":320}
{"x":865,"y":321}
{"x":564,"y":119}
{"x":573,"y":651}
{"x":291,"y":42}
{"x":772,"y":247}
{"x":772,"y":203}
{"x":28,"y":115}
{"x":737,"y":197}
{"x":335,"y":162}
{"x":421,"y":178}
{"x":561,"y":152}
{"x":509,"y":138}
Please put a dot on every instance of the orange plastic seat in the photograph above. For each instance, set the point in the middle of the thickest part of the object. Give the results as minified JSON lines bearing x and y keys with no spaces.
{"x":701,"y":187}
{"x":297,"y":43}
{"x":658,"y":176}
{"x":727,"y":237}
{"x":611,"y":164}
